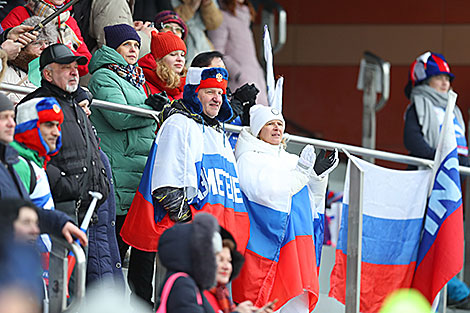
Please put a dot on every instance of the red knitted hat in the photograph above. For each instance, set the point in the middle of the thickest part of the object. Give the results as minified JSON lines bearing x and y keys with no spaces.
{"x":164,"y":43}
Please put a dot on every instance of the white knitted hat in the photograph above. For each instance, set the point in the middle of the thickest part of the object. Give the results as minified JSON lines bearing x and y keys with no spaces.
{"x":260,"y":115}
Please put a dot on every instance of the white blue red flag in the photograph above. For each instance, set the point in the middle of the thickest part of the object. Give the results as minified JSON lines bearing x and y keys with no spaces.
{"x":286,"y":233}
{"x":440,"y":254}
{"x":199,"y":159}
{"x":393,"y":208}
{"x":280,"y":260}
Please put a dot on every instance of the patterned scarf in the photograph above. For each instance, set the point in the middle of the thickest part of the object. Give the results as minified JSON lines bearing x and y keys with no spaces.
{"x":66,"y":34}
{"x":132,"y":73}
{"x":222,"y":295}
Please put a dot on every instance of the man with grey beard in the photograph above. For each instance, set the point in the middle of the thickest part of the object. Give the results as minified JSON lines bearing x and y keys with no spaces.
{"x":77,"y":168}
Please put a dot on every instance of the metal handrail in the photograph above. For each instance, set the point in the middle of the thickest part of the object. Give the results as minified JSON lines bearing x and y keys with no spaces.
{"x":96,"y":103}
{"x":355,"y":150}
{"x":58,"y":265}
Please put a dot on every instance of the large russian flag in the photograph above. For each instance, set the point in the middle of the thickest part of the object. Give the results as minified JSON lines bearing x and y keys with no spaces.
{"x":440,"y":254}
{"x":280,"y":260}
{"x":393,"y":208}
{"x":207,"y":171}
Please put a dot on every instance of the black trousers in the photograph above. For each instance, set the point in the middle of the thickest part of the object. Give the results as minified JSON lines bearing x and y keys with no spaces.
{"x":140,"y":274}
{"x":141,"y":264}
{"x":123,"y":247}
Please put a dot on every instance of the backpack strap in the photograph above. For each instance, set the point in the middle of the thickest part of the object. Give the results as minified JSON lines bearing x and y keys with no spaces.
{"x":198,"y":298}
{"x":32,"y":182}
{"x":167,"y":288}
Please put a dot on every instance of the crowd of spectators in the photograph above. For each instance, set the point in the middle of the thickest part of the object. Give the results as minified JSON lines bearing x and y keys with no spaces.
{"x":173,"y":184}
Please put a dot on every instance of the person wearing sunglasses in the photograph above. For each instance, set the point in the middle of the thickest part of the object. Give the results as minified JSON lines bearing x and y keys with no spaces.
{"x":169,"y":21}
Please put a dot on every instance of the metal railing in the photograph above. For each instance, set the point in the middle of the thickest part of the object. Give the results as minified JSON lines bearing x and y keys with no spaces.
{"x":355,"y":150}
{"x":354,"y":242}
{"x":58,"y":280}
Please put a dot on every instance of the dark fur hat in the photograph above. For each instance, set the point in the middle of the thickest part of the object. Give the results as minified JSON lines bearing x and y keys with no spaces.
{"x":189,"y":248}
{"x":202,"y":250}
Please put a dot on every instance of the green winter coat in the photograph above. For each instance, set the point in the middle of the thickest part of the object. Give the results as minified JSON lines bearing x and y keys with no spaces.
{"x":125,"y":138}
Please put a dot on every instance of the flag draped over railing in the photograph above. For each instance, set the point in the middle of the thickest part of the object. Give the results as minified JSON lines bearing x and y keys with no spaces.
{"x":393,"y":209}
{"x":412,"y":227}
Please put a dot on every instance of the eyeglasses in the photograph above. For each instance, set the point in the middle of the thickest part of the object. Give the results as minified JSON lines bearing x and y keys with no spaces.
{"x":177,"y":30}
{"x":41,"y":44}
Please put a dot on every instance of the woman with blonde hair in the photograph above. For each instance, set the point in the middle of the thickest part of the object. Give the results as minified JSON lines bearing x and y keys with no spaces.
{"x":164,"y":67}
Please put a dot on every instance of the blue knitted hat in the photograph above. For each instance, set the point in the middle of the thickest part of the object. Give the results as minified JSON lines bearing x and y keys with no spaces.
{"x":115,"y":35}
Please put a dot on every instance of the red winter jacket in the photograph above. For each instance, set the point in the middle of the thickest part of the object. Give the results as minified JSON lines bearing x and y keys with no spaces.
{"x":154,"y":84}
{"x":19,"y":14}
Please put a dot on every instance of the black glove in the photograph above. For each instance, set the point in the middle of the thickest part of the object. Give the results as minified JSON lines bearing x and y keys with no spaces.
{"x":464,"y":160}
{"x":242,"y":100}
{"x":323,"y":163}
{"x":174,"y":202}
{"x":157,"y":100}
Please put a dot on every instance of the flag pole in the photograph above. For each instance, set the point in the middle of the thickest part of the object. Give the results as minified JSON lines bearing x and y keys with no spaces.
{"x":353,"y":272}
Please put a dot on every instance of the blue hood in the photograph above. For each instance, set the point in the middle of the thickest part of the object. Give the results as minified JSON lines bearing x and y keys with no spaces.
{"x":192,"y":102}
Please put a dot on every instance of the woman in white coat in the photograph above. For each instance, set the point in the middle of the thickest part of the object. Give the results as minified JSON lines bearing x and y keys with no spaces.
{"x":284,"y":196}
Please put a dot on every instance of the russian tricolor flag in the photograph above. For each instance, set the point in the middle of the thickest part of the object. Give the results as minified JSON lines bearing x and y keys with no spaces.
{"x":280,"y":261}
{"x":141,"y":231}
{"x":440,"y":254}
{"x":393,"y":209}
{"x":209,"y":172}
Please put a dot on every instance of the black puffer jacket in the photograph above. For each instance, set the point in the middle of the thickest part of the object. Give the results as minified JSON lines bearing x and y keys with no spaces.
{"x":71,"y":174}
{"x":189,"y":248}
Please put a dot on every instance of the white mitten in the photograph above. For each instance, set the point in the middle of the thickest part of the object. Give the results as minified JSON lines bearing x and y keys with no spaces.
{"x":306,"y":160}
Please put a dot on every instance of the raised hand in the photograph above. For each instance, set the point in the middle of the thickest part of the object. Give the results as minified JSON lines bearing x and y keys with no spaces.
{"x":324,"y":165}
